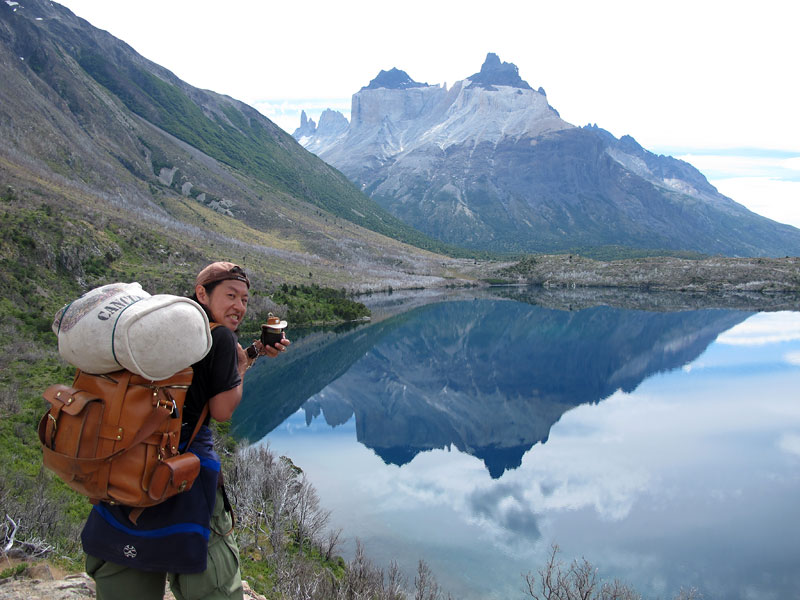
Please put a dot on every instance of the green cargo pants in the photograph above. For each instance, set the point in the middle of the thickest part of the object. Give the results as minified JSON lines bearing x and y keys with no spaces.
{"x":220,"y":581}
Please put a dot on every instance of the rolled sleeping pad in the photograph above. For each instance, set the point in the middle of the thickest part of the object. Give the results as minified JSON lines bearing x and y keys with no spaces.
{"x":120,"y":325}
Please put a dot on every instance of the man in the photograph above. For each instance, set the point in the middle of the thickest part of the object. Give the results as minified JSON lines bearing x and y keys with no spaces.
{"x":187,"y":538}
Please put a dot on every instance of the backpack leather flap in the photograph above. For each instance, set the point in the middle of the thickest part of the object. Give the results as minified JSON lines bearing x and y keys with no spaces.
{"x":67,"y":399}
{"x":181,"y":379}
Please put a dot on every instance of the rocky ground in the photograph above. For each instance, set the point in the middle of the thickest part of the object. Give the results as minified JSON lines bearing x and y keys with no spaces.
{"x":43,"y":582}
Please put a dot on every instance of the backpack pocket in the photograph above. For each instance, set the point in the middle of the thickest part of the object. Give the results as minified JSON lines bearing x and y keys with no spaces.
{"x":173,"y":475}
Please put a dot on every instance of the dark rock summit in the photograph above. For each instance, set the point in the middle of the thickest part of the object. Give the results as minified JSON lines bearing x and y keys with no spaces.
{"x":493,"y":72}
{"x":393,"y":79}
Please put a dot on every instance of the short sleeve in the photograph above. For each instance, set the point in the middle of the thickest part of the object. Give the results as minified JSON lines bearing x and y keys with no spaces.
{"x":215,"y":373}
{"x":223,"y":372}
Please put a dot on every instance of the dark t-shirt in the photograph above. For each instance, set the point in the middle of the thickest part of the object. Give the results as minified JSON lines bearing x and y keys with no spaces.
{"x":217,"y":372}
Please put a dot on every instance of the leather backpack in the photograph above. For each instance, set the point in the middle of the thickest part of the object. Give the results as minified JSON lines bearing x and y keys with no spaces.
{"x":114,"y":437}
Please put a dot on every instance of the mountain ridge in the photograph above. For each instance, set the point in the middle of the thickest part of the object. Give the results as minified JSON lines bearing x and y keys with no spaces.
{"x":491,"y":165}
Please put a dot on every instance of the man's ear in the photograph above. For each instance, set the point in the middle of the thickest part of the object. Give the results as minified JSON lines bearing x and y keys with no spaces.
{"x":201,"y":294}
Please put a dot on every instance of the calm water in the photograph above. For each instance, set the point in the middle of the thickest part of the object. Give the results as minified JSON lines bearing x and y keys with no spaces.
{"x":662,"y":446}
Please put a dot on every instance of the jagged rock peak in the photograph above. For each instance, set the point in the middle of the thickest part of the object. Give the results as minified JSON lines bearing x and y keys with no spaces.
{"x":493,"y":72}
{"x":394,"y":79}
{"x":307,"y":126}
{"x":332,"y":122}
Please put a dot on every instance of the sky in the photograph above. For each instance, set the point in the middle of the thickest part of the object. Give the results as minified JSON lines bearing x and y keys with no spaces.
{"x":710,"y":82}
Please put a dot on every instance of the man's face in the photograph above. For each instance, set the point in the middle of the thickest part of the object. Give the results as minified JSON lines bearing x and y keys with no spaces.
{"x":227,"y":302}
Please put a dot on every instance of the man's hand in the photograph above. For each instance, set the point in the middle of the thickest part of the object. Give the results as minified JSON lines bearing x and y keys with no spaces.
{"x":271,"y":351}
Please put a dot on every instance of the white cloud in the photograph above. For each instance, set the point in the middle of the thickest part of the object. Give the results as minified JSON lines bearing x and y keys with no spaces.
{"x":750,"y":163}
{"x":792,"y":358}
{"x":764,"y":181}
{"x":286,"y":113}
{"x":772,"y":198}
{"x":764,"y":328}
{"x":790,"y":443}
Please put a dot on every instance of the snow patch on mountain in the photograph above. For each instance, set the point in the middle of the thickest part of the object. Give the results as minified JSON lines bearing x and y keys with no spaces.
{"x":630,"y":162}
{"x":680,"y":186}
{"x":478,"y":115}
{"x":638,"y":166}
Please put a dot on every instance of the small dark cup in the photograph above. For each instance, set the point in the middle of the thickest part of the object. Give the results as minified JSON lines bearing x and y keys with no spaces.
{"x":271,"y":336}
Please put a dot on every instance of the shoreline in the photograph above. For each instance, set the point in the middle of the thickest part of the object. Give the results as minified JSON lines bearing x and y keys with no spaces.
{"x":713,"y":274}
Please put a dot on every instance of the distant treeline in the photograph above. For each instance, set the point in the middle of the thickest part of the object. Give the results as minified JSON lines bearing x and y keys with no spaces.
{"x":312,"y":304}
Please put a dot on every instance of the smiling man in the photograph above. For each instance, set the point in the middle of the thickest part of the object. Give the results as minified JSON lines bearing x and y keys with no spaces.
{"x":187,"y":538}
{"x":223,"y":290}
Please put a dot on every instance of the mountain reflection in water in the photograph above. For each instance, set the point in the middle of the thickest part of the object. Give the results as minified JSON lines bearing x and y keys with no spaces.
{"x":661,"y":441}
{"x":488,"y":377}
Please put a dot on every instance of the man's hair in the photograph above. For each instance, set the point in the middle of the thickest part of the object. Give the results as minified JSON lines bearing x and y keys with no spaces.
{"x":214,"y":274}
{"x":221,"y":271}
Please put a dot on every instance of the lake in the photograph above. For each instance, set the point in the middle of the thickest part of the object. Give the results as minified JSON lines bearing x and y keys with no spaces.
{"x":658,"y":439}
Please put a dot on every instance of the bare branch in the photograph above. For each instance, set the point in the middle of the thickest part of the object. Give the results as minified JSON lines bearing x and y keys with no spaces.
{"x":8,"y":537}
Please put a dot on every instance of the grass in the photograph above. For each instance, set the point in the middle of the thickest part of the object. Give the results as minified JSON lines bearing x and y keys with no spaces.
{"x":13,"y":571}
{"x":189,"y":211}
{"x":50,"y":510}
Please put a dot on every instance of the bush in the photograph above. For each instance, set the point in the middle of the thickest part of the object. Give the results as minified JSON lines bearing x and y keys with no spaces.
{"x":311,"y":304}
{"x":557,"y":581}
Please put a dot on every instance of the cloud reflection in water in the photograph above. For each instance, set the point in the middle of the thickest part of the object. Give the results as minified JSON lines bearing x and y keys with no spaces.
{"x":688,"y":478}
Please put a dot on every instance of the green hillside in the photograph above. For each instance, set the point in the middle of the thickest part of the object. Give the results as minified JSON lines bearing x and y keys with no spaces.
{"x":241,"y":138}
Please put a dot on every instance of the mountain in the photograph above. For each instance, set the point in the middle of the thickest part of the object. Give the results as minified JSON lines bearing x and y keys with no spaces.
{"x":490,"y":164}
{"x":485,"y":376}
{"x":491,"y":379}
{"x":103,"y":152}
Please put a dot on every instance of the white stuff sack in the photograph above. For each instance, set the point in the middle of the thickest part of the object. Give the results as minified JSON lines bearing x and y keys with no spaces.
{"x":85,"y":327}
{"x":122,"y":326}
